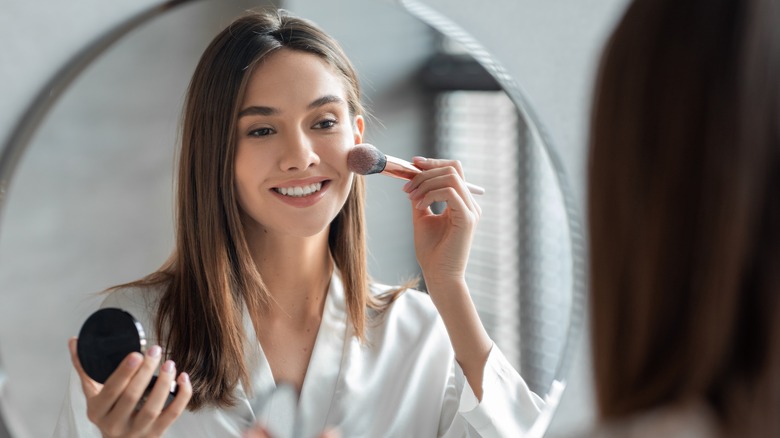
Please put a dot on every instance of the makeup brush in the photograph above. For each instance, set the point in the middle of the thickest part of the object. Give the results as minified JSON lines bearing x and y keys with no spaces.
{"x":365,"y":159}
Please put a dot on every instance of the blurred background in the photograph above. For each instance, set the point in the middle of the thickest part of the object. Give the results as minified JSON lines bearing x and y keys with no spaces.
{"x":90,"y":202}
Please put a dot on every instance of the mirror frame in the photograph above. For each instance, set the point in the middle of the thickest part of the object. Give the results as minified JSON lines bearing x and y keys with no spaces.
{"x":576,"y":235}
{"x":36,"y":111}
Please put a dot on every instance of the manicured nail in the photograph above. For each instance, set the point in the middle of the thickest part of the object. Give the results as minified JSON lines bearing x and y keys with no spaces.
{"x":155,"y":351}
{"x":419,"y":159}
{"x":134,"y":360}
{"x":185,"y":378}
{"x":169,"y":366}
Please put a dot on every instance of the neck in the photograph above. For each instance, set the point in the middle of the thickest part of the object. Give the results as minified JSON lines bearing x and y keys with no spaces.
{"x":296,"y":271}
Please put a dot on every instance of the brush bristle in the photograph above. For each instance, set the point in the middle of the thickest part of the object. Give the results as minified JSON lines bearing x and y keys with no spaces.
{"x":365,"y":159}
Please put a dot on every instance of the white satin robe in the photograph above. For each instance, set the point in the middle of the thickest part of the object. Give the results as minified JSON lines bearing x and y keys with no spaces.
{"x":403,"y":382}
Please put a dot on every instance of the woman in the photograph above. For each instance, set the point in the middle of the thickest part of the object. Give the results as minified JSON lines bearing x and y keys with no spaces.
{"x":683,"y":217}
{"x":268,"y":281}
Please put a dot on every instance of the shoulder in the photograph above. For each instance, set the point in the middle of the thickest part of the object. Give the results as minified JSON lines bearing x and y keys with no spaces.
{"x":407,"y":297}
{"x":410,"y":305}
{"x":412,"y":325}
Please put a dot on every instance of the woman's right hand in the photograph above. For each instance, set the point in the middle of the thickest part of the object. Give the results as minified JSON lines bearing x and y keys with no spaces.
{"x":112,"y":406}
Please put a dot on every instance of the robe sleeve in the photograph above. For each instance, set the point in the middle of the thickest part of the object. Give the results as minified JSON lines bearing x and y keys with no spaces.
{"x":508,"y":406}
{"x":73,"y":421}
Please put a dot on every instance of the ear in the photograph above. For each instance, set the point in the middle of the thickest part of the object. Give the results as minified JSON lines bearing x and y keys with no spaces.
{"x":357,"y":129}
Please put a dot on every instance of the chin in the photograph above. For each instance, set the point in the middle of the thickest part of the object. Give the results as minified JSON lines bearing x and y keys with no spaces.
{"x":306,"y":226}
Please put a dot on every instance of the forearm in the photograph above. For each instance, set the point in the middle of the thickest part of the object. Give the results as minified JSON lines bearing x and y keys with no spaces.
{"x":469,"y":339}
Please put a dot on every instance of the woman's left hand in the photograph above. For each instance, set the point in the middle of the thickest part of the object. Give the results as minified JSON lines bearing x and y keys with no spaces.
{"x":442,"y":241}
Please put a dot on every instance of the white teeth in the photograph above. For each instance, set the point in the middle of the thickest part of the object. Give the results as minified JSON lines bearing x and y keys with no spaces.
{"x":297,"y":192}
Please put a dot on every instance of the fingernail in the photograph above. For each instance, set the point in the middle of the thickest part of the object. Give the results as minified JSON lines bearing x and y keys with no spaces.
{"x":134,"y":360}
{"x":406,"y":186}
{"x":419,"y":159}
{"x":155,"y":351}
{"x":418,"y":205}
{"x":169,"y":366}
{"x":185,"y":377}
{"x":412,"y":194}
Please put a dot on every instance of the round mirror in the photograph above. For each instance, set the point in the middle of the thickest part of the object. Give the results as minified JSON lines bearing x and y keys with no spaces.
{"x":90,"y":202}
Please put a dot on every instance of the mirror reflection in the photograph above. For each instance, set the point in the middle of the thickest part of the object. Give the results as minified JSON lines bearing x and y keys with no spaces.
{"x":91,"y":204}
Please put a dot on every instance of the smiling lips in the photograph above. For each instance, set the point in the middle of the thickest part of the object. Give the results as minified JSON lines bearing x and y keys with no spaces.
{"x":300,"y":191}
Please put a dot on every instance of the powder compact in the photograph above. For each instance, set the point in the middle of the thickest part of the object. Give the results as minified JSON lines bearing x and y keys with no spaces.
{"x":106,"y":338}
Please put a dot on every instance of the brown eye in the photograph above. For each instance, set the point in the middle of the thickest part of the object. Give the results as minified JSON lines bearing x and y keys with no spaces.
{"x":261,"y":132}
{"x":326,"y":124}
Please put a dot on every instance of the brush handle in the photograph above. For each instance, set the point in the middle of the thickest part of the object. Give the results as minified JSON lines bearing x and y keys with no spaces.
{"x":402,"y":169}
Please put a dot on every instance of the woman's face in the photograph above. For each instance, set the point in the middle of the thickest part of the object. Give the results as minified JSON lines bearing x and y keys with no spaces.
{"x":294,"y":133}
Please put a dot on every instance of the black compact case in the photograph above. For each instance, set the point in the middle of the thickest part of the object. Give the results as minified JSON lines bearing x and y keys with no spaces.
{"x":106,"y":338}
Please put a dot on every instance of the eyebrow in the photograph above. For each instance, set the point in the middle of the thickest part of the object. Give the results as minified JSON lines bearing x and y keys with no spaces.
{"x":269,"y":111}
{"x":324,"y":100}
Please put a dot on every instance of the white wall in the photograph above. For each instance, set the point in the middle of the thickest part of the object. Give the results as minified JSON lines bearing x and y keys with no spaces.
{"x":549,"y":47}
{"x":40,"y":36}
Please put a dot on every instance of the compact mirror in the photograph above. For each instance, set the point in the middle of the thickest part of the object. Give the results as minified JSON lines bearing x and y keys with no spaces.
{"x":90,"y":202}
{"x":105,"y":339}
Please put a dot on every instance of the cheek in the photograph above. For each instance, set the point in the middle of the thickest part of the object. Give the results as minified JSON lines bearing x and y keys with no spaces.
{"x":336,"y":153}
{"x":242,"y":174}
{"x":249,"y":172}
{"x":253,"y":159}
{"x":242,"y":188}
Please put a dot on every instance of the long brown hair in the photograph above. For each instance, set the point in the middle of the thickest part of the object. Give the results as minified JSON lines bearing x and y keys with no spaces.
{"x":684,"y":212}
{"x":211,"y":275}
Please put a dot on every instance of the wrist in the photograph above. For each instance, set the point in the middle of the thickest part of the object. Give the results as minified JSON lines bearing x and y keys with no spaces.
{"x":445,"y":292}
{"x":445,"y":284}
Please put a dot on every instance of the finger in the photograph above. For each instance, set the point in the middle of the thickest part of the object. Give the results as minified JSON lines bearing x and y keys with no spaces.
{"x":134,"y":390}
{"x":431,"y":163}
{"x":174,"y":410}
{"x":425,"y":175}
{"x":101,"y":405}
{"x":448,"y":179}
{"x":155,"y":402}
{"x":455,"y":204}
{"x":88,"y":386}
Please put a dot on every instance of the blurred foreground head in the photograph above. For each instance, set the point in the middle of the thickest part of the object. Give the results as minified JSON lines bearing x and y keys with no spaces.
{"x":684,"y":212}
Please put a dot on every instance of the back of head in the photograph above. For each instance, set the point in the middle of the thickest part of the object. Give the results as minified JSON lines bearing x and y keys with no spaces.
{"x":683,"y":219}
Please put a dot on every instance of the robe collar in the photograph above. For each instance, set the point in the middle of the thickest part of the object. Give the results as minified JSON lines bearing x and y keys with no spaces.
{"x":322,"y":374}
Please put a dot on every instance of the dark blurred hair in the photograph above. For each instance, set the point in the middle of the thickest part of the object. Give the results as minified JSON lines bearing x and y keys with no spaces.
{"x":684,"y":212}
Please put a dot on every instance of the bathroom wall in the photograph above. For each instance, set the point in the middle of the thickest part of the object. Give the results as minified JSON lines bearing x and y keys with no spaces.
{"x":550,"y":48}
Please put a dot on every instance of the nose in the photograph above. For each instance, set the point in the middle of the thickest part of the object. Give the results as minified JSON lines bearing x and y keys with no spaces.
{"x":299,"y":153}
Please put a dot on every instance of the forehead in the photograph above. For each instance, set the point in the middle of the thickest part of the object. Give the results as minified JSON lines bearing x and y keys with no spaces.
{"x":289,"y":77}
